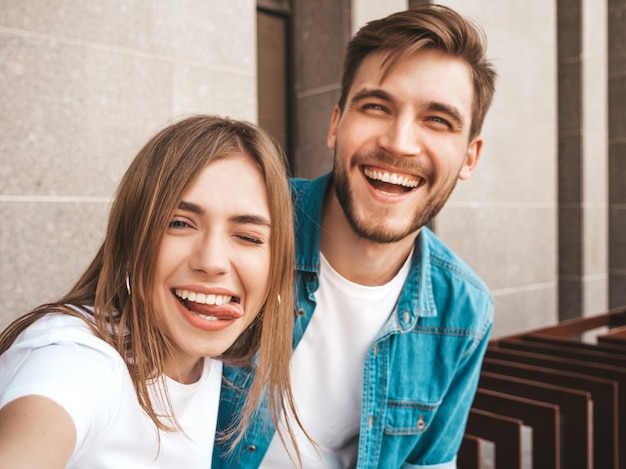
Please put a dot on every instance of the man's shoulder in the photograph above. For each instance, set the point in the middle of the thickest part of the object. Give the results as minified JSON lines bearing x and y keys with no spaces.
{"x":460,"y":297}
{"x":298,"y":183}
{"x":303,"y":186}
{"x":445,"y":260}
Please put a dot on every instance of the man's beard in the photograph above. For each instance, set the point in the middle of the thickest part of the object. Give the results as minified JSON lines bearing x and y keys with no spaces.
{"x":373,"y":229}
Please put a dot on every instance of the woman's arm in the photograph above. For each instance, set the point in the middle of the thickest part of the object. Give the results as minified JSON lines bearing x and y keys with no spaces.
{"x":35,"y":432}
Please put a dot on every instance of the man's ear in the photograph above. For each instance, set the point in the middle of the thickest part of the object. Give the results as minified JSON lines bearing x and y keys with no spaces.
{"x":331,"y":138}
{"x":471,"y":158}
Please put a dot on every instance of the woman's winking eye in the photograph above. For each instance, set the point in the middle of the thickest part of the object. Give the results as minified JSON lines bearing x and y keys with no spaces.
{"x":251,"y":239}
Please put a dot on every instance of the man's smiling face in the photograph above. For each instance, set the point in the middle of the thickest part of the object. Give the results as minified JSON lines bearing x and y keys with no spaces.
{"x":402,"y":142}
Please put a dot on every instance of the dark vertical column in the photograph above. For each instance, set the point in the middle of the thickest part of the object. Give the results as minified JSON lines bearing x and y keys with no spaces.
{"x":570,"y":159}
{"x":617,"y":152}
{"x":414,"y":3}
{"x":321,"y":31}
{"x":272,"y":75}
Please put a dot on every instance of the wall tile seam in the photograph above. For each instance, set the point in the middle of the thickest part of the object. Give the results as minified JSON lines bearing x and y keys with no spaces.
{"x":571,"y":132}
{"x":613,"y":141}
{"x":319,"y":90}
{"x":129,"y":52}
{"x":617,"y":206}
{"x":524,"y":288}
{"x":617,"y":272}
{"x":54,"y":199}
{"x":586,"y":277}
{"x":585,"y":205}
{"x":615,"y":75}
{"x":571,"y":59}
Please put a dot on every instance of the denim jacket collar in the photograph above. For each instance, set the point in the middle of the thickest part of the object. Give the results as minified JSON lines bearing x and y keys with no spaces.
{"x":416,"y":299}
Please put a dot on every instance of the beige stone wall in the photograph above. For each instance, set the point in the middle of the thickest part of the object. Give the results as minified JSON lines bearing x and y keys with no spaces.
{"x":503,"y":220}
{"x":83,"y":85}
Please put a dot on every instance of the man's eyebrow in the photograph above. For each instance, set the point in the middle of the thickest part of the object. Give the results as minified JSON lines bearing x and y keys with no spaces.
{"x":371,"y":93}
{"x":451,"y":111}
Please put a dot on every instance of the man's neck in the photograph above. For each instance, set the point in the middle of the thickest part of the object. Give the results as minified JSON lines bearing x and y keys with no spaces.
{"x":356,"y":259}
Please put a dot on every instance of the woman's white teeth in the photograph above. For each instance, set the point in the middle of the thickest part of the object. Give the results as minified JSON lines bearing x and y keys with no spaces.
{"x":208,"y":318}
{"x":203,"y":298}
{"x":391,"y":178}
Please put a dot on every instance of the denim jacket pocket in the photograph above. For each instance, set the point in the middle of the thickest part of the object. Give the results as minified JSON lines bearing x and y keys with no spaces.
{"x":408,"y":418}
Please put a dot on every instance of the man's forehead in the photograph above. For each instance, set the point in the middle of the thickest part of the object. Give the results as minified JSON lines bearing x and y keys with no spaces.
{"x":429,"y":68}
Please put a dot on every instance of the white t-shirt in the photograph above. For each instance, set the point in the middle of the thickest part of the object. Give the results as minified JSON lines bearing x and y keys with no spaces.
{"x":60,"y":358}
{"x":327,"y":367}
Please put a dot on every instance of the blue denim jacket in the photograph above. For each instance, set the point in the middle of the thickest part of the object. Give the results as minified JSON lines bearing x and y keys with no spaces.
{"x":420,"y":374}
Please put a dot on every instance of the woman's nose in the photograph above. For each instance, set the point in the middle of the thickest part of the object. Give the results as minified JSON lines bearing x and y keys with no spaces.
{"x":211,"y":255}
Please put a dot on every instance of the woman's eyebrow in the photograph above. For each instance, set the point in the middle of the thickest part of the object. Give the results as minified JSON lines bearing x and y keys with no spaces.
{"x":244,"y":218}
{"x":191,"y":207}
{"x":252,"y":219}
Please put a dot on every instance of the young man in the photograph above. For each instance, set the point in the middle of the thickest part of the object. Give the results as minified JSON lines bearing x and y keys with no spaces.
{"x":390,"y":327}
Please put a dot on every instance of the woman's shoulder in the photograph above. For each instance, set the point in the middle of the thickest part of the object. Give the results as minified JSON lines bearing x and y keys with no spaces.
{"x":60,"y":358}
{"x":58,"y":321}
{"x":59,"y":327}
{"x":65,"y":342}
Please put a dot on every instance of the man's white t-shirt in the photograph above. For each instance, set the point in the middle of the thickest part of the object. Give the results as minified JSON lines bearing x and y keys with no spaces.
{"x":327,"y":367}
{"x":60,"y":358}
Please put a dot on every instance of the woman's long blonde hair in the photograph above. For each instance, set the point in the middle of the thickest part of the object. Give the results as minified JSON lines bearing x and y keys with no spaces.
{"x":148,"y":194}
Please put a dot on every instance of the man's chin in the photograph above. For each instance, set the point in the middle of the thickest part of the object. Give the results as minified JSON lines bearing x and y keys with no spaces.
{"x":381,"y":234}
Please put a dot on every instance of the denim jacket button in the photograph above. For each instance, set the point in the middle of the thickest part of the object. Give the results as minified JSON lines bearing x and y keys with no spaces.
{"x":251,"y":448}
{"x":420,"y":423}
{"x":299,"y":312}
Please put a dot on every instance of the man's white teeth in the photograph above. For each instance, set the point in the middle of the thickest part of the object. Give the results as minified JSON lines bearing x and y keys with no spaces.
{"x":391,"y":178}
{"x":203,"y":298}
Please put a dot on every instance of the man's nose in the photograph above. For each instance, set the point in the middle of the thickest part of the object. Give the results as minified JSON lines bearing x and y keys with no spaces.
{"x":401,"y":137}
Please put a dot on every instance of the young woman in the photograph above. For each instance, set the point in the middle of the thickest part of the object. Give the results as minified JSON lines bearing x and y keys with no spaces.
{"x":195,"y":269}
